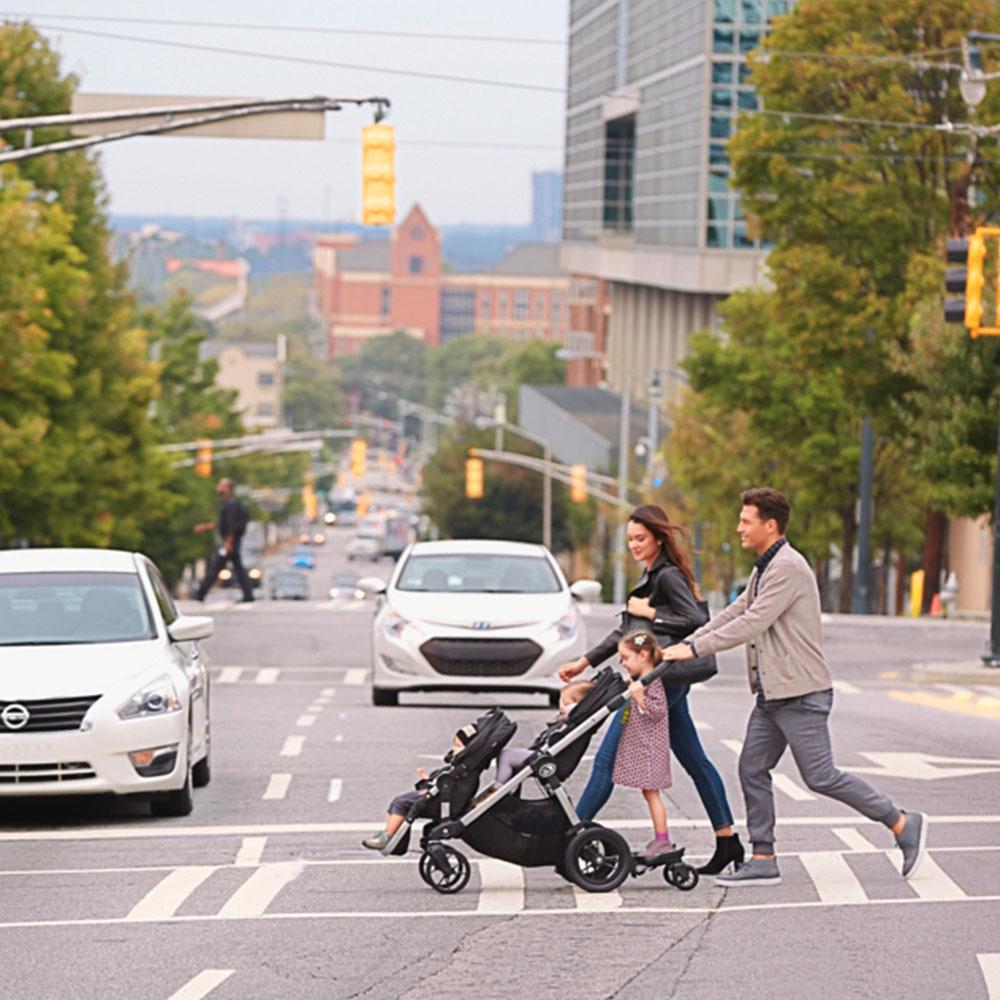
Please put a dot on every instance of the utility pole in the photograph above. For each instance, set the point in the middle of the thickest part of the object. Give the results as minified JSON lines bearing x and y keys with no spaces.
{"x":861,"y":597}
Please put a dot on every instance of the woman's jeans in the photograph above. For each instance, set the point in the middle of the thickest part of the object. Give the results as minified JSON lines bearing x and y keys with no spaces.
{"x":687,"y":748}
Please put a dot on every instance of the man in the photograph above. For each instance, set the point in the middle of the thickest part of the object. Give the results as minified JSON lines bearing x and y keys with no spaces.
{"x":231,"y":526}
{"x":778,"y":617}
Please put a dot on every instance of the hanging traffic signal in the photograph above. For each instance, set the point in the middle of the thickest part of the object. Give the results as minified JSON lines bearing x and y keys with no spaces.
{"x":203,"y":460}
{"x":975,"y":282}
{"x":378,"y":175}
{"x":578,"y":483}
{"x":969,"y":280}
{"x":359,"y":457}
{"x":473,"y":478}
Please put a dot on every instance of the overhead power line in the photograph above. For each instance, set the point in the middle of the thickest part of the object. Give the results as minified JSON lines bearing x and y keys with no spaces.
{"x":304,"y":60}
{"x":303,"y":29}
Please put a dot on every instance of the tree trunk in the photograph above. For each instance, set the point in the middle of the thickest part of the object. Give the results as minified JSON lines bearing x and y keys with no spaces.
{"x":849,"y":531}
{"x":901,"y":584}
{"x":933,"y":556}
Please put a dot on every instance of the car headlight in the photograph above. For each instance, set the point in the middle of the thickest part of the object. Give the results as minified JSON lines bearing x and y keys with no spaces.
{"x":255,"y":574}
{"x":157,"y":698}
{"x":568,"y":625}
{"x":225,"y":574}
{"x":395,"y":625}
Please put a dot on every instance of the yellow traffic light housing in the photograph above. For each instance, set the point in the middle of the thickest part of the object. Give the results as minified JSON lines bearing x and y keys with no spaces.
{"x":473,"y":478}
{"x":578,"y":483}
{"x":378,"y":175}
{"x":203,"y":460}
{"x":975,"y":282}
{"x":359,"y":457}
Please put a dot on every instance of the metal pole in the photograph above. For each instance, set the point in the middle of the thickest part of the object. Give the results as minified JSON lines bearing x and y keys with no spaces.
{"x":991,"y":656}
{"x":652,"y":433}
{"x":623,"y":440}
{"x":547,"y":501}
{"x":861,"y":600}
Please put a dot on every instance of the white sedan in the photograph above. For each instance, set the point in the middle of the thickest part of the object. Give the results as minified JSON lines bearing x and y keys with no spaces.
{"x":475,"y":616}
{"x":103,"y":687}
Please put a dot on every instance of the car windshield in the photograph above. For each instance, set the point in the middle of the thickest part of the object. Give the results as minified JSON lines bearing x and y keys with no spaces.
{"x":479,"y":573}
{"x":52,"y":609}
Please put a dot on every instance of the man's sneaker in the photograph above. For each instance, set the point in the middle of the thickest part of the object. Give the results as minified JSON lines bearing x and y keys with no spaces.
{"x":755,"y":871}
{"x":913,"y":842}
{"x":376,"y":842}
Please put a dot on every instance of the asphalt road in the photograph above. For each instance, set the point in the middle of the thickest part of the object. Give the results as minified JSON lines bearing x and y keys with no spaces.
{"x":264,"y":892}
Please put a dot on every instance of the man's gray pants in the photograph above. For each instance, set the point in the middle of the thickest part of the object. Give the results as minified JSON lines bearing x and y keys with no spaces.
{"x":803,"y":725}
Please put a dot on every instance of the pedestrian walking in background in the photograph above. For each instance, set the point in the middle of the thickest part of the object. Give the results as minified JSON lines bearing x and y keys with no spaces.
{"x":778,"y":618}
{"x":665,"y":602}
{"x":231,"y":526}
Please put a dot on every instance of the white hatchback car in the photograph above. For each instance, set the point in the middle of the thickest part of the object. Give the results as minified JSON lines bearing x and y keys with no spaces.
{"x":471,"y":615}
{"x":103,"y":687}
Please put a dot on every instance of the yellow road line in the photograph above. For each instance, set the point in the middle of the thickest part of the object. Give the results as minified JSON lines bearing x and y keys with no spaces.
{"x":981,"y":708}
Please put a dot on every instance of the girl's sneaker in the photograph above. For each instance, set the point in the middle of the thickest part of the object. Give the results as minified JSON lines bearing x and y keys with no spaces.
{"x":376,"y":842}
{"x":657,"y":847}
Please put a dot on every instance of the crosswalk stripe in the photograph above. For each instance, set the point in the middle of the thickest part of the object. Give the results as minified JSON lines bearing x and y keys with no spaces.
{"x":304,"y":721}
{"x":293,"y":746}
{"x":229,"y":675}
{"x":355,"y":676}
{"x":277,"y":787}
{"x":845,"y":687}
{"x":250,"y":852}
{"x":202,"y":984}
{"x":258,"y":892}
{"x":929,"y":881}
{"x":702,"y":726}
{"x":502,"y":887}
{"x":597,"y":902}
{"x":164,"y":899}
{"x":267,"y":675}
{"x":328,"y":692}
{"x":834,"y":880}
{"x":989,"y":965}
{"x":854,"y":839}
{"x":336,"y":787}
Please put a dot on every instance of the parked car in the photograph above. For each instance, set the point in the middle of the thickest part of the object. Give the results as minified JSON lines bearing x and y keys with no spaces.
{"x":346,"y":586}
{"x":104,"y":687}
{"x":475,"y":615}
{"x":302,"y":559}
{"x":363,"y":547}
{"x":289,"y":585}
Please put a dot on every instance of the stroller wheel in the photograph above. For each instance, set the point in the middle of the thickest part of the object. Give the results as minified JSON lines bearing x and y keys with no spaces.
{"x":447,"y":873}
{"x":681,"y":876}
{"x":598,"y":859}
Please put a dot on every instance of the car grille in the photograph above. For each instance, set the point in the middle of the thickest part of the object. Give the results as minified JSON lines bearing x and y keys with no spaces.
{"x":481,"y":657}
{"x":50,"y":715}
{"x":27,"y":774}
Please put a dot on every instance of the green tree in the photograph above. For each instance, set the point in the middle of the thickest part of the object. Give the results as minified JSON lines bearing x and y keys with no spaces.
{"x":313,"y":397}
{"x":384,"y":371}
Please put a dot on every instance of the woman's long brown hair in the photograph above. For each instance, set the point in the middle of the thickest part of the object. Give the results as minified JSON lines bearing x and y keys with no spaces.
{"x":654,"y":519}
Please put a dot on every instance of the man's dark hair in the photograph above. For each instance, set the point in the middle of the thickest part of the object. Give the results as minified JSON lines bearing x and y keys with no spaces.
{"x":770,"y":504}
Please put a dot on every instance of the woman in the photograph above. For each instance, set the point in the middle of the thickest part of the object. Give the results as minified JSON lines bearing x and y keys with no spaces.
{"x":664,"y":599}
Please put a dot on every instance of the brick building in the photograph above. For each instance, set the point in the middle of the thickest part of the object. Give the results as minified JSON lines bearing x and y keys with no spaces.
{"x":369,"y":287}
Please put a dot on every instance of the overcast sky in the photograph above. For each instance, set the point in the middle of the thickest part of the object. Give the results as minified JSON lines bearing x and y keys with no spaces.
{"x":248,"y":178}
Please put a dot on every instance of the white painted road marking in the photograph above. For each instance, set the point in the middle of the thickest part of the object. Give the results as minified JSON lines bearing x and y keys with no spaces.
{"x":165,"y":898}
{"x":304,"y":721}
{"x":277,"y":787}
{"x":597,"y":902}
{"x":929,"y":882}
{"x":258,"y":892}
{"x":250,"y":852}
{"x":336,"y":787}
{"x":355,"y":676}
{"x":202,"y":984}
{"x":845,"y":687}
{"x":267,"y":675}
{"x":855,"y":840}
{"x":229,"y":675}
{"x":925,"y":766}
{"x":989,"y":965}
{"x":328,"y":692}
{"x":702,"y":726}
{"x":502,"y":887}
{"x":293,"y":746}
{"x":834,"y":880}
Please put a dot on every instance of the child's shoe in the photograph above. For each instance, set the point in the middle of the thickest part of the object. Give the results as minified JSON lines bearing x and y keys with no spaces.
{"x":376,"y":842}
{"x":656,"y":847}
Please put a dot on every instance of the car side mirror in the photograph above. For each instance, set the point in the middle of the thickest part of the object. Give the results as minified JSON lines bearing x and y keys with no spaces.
{"x":588,"y":591}
{"x":372,"y":586}
{"x":188,"y":628}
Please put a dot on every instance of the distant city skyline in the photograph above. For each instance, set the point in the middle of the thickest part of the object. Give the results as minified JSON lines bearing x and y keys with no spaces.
{"x":465,"y":150}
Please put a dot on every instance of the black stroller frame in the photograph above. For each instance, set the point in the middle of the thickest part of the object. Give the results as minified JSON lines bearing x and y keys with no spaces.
{"x":535,"y":833}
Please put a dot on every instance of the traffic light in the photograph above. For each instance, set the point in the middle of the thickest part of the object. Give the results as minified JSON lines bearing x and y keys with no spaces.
{"x":359,"y":457}
{"x":473,"y":478}
{"x":969,"y":280}
{"x":203,"y":460}
{"x":378,"y":175}
{"x":578,"y":483}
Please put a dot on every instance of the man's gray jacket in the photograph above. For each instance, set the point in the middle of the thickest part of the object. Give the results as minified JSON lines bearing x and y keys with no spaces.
{"x":780,"y":626}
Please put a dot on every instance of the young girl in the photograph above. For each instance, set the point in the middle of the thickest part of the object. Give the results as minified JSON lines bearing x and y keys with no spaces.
{"x":643,"y":757}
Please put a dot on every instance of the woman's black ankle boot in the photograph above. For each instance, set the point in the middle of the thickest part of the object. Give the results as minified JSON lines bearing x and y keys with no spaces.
{"x":728,"y":851}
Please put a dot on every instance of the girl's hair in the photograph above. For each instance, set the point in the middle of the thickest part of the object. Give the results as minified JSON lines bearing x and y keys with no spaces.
{"x":643,"y":641}
{"x":654,"y":519}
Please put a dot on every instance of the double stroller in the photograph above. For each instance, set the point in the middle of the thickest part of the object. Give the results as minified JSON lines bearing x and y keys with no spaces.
{"x":533,"y":833}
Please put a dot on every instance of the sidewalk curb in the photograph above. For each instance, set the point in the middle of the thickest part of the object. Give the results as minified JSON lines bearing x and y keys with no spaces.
{"x":960,"y":672}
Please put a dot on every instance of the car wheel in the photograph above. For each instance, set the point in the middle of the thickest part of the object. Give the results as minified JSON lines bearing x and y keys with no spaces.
{"x":179,"y":802}
{"x":384,"y":697}
{"x":201,"y":773}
